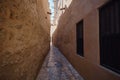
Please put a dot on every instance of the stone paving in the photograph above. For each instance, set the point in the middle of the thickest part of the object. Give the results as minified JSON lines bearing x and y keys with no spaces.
{"x":56,"y":67}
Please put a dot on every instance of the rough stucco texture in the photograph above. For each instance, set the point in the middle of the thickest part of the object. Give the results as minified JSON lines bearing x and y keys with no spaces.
{"x":24,"y":38}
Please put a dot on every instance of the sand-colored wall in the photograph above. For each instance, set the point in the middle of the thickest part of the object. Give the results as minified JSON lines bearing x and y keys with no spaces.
{"x":65,"y":39}
{"x":24,"y":38}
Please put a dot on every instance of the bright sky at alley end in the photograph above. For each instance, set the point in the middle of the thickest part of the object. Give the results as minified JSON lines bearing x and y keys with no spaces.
{"x":52,"y":8}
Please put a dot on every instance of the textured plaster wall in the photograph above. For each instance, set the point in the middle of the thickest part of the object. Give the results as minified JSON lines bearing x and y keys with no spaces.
{"x":24,"y":38}
{"x":65,"y":39}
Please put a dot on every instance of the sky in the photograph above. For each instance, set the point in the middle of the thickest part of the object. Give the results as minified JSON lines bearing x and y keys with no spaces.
{"x":52,"y":8}
{"x":52,"y":29}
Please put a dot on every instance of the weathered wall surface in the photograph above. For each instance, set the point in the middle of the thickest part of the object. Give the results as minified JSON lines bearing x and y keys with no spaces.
{"x":24,"y":38}
{"x":65,"y":39}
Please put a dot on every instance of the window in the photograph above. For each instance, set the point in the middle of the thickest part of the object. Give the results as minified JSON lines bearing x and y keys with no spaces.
{"x":79,"y":35}
{"x":110,"y":35}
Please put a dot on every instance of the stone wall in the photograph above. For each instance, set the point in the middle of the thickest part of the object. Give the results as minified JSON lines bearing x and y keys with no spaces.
{"x":65,"y":39}
{"x":24,"y":38}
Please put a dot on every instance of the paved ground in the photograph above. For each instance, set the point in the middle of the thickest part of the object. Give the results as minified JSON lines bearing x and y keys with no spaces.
{"x":56,"y":67}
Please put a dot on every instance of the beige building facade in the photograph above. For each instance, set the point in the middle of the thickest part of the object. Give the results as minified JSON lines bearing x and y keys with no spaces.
{"x":59,"y":9}
{"x":92,"y":64}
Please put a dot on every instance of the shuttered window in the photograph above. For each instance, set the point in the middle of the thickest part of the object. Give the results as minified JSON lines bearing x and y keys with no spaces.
{"x":110,"y":35}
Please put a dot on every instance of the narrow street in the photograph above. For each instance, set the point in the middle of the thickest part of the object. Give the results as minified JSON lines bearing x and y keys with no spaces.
{"x":56,"y":67}
{"x":59,"y":39}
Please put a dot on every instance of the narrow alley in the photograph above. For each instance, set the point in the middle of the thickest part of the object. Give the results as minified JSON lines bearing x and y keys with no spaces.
{"x":59,"y":39}
{"x":56,"y":67}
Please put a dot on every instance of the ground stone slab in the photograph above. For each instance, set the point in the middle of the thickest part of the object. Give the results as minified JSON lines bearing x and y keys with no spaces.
{"x":56,"y":67}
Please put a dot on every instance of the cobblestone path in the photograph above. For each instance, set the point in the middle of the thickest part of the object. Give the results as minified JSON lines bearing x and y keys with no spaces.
{"x":56,"y":67}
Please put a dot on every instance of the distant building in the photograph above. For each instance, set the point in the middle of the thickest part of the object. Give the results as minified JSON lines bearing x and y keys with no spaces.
{"x":59,"y":8}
